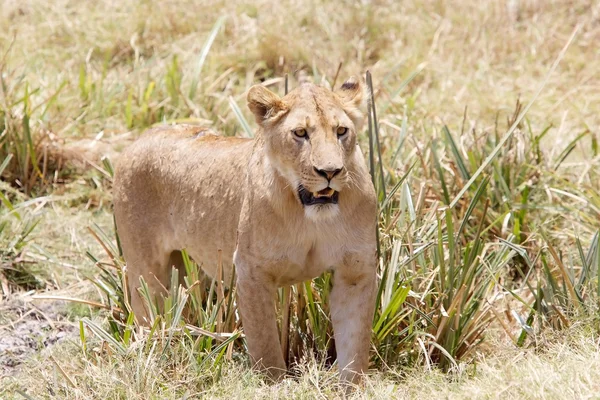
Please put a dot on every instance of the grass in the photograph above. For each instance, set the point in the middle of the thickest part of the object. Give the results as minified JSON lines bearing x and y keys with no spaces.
{"x":16,"y":227}
{"x":489,"y":258}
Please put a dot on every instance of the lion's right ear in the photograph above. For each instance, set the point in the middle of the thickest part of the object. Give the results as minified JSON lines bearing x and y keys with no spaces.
{"x":266,"y":105}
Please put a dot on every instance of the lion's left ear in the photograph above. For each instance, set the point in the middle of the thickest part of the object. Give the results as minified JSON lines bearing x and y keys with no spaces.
{"x":354,"y":96}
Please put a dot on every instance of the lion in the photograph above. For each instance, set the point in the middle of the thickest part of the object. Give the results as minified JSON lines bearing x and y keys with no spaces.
{"x":293,"y":202}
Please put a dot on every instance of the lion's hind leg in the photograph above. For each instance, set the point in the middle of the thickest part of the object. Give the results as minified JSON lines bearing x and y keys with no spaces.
{"x":148,"y":260}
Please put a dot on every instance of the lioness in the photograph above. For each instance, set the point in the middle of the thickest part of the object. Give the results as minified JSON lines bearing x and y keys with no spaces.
{"x":293,"y":202}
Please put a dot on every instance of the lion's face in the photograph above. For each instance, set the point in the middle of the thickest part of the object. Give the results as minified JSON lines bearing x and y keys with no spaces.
{"x":310,"y":138}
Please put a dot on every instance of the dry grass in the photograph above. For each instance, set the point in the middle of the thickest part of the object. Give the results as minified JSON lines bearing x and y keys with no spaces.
{"x":480,"y":56}
{"x":566,"y":367}
{"x":98,"y":73}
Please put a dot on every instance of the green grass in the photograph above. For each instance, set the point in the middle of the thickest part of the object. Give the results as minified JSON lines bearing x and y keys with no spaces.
{"x":17,"y":222}
{"x":489,"y":257}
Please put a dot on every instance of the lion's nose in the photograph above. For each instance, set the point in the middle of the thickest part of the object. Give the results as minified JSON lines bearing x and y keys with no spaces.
{"x":328,"y":173}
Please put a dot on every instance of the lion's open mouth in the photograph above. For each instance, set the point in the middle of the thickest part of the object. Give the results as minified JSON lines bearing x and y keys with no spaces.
{"x":325,"y":196}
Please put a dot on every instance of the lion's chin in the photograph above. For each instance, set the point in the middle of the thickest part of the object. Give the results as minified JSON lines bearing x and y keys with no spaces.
{"x":321,"y":212}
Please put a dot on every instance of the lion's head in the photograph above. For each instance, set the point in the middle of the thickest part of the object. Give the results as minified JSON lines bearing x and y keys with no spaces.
{"x":310,"y":139}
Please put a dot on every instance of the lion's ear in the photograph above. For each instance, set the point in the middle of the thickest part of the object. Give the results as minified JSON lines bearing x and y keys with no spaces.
{"x":353,"y":92}
{"x":354,"y":96}
{"x":266,"y":106}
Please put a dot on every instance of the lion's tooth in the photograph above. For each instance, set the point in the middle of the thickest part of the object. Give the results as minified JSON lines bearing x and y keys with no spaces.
{"x":327,"y":192}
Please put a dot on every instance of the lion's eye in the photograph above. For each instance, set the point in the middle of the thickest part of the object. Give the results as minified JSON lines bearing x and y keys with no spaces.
{"x":300,"y":132}
{"x":341,"y":131}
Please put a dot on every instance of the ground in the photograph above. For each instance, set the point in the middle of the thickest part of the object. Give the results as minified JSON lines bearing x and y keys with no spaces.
{"x":94,"y":75}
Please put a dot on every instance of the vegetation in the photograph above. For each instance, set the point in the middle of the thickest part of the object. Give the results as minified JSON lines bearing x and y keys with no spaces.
{"x":488,"y":232}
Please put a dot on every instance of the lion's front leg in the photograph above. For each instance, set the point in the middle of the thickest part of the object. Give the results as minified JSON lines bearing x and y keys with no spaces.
{"x":256,"y":300}
{"x":352,"y":305}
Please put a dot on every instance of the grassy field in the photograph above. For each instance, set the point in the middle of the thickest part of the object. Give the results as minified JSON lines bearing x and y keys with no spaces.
{"x":489,"y":278}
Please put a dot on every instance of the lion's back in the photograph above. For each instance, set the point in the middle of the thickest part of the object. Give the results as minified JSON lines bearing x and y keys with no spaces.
{"x":170,"y":172}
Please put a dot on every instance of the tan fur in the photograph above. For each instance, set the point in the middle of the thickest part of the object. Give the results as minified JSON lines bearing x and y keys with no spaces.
{"x":181,"y":187}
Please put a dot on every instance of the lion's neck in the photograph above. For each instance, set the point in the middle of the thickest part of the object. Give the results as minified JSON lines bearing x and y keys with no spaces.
{"x":269,"y":186}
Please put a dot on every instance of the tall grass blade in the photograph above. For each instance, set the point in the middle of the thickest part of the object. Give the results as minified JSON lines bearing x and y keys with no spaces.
{"x":438,"y":167}
{"x":457,"y":156}
{"x":104,"y":335}
{"x":5,"y":163}
{"x":570,"y":147}
{"x":397,"y":186}
{"x":476,"y":197}
{"x":372,"y":163}
{"x":404,"y":83}
{"x":376,"y":129}
{"x":371,"y":145}
{"x":240,"y":117}
{"x":203,"y":54}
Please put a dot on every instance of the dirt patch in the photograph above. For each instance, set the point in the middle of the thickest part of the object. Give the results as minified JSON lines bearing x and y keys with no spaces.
{"x":28,"y":328}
